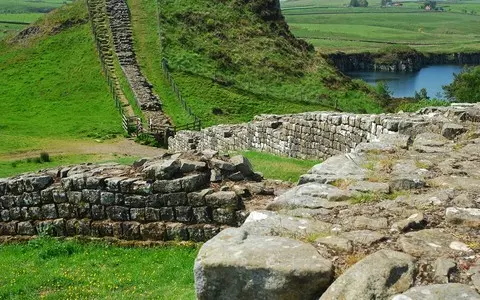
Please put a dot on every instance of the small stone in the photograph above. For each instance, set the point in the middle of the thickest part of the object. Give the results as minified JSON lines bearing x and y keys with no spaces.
{"x":459,"y":246}
{"x":415,"y":221}
{"x":465,"y":216}
{"x":443,"y":268}
{"x":336,"y":243}
{"x":363,"y":237}
{"x":362,"y":222}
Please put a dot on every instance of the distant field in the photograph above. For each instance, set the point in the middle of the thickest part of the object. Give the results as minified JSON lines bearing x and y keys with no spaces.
{"x":330,"y":26}
{"x":24,"y":12}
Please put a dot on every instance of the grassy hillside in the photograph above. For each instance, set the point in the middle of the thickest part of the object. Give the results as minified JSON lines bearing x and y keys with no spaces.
{"x":233,"y":60}
{"x":51,"y":85}
{"x":331,"y":26}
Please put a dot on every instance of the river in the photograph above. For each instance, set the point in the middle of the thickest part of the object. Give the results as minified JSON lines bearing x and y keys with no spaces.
{"x":405,"y":84}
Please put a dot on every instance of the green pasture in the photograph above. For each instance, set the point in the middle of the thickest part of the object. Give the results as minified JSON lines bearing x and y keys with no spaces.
{"x":46,"y":268}
{"x":23,"y":6}
{"x":331,"y":27}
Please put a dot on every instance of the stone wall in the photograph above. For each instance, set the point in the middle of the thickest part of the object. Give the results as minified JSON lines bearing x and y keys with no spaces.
{"x":161,"y":199}
{"x":316,"y":134}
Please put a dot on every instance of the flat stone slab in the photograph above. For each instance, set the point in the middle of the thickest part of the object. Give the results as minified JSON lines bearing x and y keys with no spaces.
{"x":431,"y":242}
{"x":448,"y":291}
{"x":363,"y":237}
{"x":269,"y":223}
{"x":311,"y":195}
{"x":378,"y":276}
{"x":344,"y":167}
{"x":466,"y":216}
{"x":235,"y":265}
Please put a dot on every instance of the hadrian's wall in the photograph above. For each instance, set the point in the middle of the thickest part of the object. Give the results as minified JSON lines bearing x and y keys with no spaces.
{"x":169,"y":198}
{"x":317,"y":134}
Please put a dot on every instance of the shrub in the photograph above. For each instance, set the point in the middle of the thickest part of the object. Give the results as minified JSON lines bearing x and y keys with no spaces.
{"x":44,"y":157}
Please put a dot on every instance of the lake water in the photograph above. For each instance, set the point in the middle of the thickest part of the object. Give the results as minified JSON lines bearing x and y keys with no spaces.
{"x":405,"y":84}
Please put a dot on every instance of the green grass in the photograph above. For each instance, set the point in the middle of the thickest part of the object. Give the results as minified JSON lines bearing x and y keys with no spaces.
{"x":224,"y":58}
{"x":277,"y":167}
{"x":32,"y":164}
{"x":52,"y":87}
{"x":51,"y":269}
{"x":331,"y":27}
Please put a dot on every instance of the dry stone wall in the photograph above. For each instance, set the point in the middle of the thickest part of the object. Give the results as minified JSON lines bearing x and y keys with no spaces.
{"x":317,"y":134}
{"x":162,"y":199}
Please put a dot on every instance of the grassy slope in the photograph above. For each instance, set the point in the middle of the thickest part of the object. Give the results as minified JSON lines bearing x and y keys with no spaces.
{"x":224,"y":56}
{"x":24,"y":6}
{"x":52,"y":88}
{"x":333,"y":27}
{"x":72,"y":270}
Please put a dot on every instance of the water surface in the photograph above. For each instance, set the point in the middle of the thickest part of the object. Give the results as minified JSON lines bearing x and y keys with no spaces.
{"x":405,"y":84}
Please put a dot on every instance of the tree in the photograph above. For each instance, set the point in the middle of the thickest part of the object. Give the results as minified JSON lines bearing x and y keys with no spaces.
{"x":422,"y":95}
{"x":358,"y":3}
{"x":465,"y":87}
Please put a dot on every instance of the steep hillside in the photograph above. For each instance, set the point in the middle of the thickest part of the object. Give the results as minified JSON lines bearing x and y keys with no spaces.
{"x":234,"y":59}
{"x":51,"y":86}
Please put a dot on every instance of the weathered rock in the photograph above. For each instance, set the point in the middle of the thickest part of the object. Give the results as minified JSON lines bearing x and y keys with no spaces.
{"x":476,"y":281}
{"x":270,"y":223}
{"x":389,"y":273}
{"x":406,"y":175}
{"x":362,"y":222}
{"x":466,"y":216}
{"x":223,"y":200}
{"x":370,"y":187}
{"x":336,"y":243}
{"x":386,"y":143}
{"x":363,"y":237}
{"x":162,"y":170}
{"x":344,"y":167}
{"x":452,"y":130}
{"x":242,"y":164}
{"x":235,"y":265}
{"x":415,"y":221}
{"x":311,"y":195}
{"x":429,"y":242}
{"x":443,"y":268}
{"x":447,"y":291}
{"x":187,"y":166}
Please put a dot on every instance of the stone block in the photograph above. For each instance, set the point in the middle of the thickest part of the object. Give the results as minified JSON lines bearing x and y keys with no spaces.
{"x":91,"y":196}
{"x":141,"y":187}
{"x":26,"y":228}
{"x":66,"y":210}
{"x":152,"y":214}
{"x":49,"y":211}
{"x":198,"y":198}
{"x":131,"y":230}
{"x":107,"y":198}
{"x":167,"y":186}
{"x":224,"y":216}
{"x":177,"y":232}
{"x":9,"y":228}
{"x":113,"y":184}
{"x":59,"y":196}
{"x":223,"y":200}
{"x":194,"y":182}
{"x":183,"y":213}
{"x":83,"y":210}
{"x":37,"y":183}
{"x":175,"y":199}
{"x":167,"y":214}
{"x":153,"y":231}
{"x":5,"y":215}
{"x":74,"y":197}
{"x":101,"y":228}
{"x":155,"y":201}
{"x":15,"y":213}
{"x":136,"y":201}
{"x":202,"y":214}
{"x":137,"y":214}
{"x":8,"y":201}
{"x":35,"y":213}
{"x":118,"y":213}
{"x":98,"y":212}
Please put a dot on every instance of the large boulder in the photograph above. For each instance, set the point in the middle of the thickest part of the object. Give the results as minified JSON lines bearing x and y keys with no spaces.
{"x":448,"y":291}
{"x":378,"y":276}
{"x":235,"y":265}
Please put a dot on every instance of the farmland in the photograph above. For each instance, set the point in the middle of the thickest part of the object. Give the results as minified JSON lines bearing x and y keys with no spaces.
{"x":15,"y":12}
{"x":331,"y":25}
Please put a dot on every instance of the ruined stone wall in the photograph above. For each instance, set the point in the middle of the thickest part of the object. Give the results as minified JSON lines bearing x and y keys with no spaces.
{"x":161,"y":200}
{"x":312,"y":134}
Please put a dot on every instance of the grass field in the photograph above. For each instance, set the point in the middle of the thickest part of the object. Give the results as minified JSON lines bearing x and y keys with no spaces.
{"x":330,"y":26}
{"x":50,"y":269}
{"x":276,"y":167}
{"x":50,"y":92}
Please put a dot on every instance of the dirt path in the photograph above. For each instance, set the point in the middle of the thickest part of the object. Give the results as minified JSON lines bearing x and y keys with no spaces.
{"x":122,"y":147}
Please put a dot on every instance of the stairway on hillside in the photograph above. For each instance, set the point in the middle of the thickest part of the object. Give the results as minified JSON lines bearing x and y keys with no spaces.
{"x":120,"y":25}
